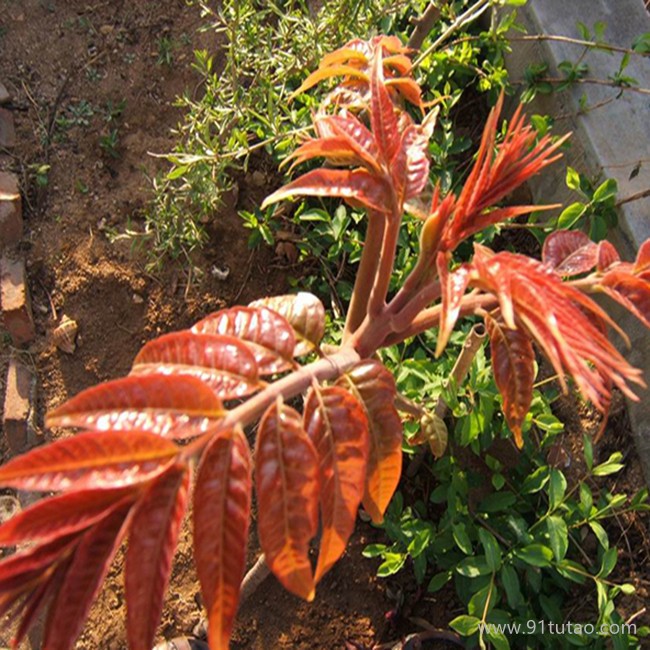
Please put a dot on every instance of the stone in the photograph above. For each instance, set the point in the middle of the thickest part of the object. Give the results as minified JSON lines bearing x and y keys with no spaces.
{"x":7,"y":129}
{"x":15,"y":301}
{"x":19,"y":407}
{"x":5,"y":97}
{"x":11,"y":210}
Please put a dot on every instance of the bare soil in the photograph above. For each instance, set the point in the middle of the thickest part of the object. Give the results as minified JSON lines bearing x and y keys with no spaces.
{"x":68,"y":65}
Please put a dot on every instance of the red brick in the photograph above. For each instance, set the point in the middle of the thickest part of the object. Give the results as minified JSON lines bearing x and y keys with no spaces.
{"x":14,"y":301}
{"x":11,"y":210}
{"x":18,"y":417}
{"x":7,"y":129}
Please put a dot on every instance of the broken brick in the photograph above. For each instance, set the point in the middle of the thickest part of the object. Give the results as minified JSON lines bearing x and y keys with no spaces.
{"x":18,"y":418}
{"x":14,"y":301}
{"x":7,"y":129}
{"x":11,"y":212}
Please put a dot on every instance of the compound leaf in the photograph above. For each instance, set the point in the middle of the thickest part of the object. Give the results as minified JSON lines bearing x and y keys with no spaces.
{"x":152,"y":542}
{"x":375,"y":388}
{"x":304,"y":312}
{"x":267,"y":333}
{"x":223,"y":363}
{"x":570,"y":252}
{"x":222,"y":501}
{"x":286,"y":481}
{"x":110,"y":459}
{"x":173,"y":407}
{"x":338,"y":426}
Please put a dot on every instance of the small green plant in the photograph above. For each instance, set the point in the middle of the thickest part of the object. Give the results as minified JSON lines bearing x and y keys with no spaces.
{"x":166,"y":47}
{"x":109,"y":143}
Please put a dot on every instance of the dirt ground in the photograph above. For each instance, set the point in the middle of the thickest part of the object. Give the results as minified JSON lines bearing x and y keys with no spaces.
{"x":78,"y":70}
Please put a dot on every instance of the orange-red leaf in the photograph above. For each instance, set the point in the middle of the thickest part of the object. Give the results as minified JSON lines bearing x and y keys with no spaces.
{"x":357,"y":186}
{"x":152,"y":541}
{"x":631,"y":291}
{"x":286,"y":481}
{"x":304,"y":312}
{"x":375,"y":388}
{"x":61,"y":515}
{"x":222,"y":501}
{"x":607,"y":255}
{"x":382,"y":111}
{"x":269,"y":336}
{"x":513,"y":361}
{"x":83,"y":578}
{"x":89,"y":460}
{"x":337,"y":424}
{"x":223,"y":363}
{"x":569,"y":252}
{"x":174,"y":407}
{"x":334,"y":70}
{"x":452,"y":288}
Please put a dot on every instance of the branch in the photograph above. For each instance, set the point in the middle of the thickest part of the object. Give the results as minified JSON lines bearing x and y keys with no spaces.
{"x":366,"y":274}
{"x":577,"y":41}
{"x":424,"y":25}
{"x":597,"y":82}
{"x":377,"y":302}
{"x":633,"y":197}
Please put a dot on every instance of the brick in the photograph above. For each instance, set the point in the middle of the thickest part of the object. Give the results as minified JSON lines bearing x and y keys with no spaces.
{"x":11,"y":210}
{"x":7,"y":129}
{"x":19,"y":407}
{"x":14,"y":300}
{"x":5,"y":97}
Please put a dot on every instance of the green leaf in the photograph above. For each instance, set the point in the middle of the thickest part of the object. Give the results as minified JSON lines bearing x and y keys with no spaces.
{"x":465,"y":625}
{"x":606,"y":191}
{"x":510,"y":582}
{"x":588,"y":451}
{"x":536,"y":555}
{"x":558,"y":534}
{"x":572,"y":571}
{"x":373,"y":550}
{"x":600,"y":534}
{"x":556,"y":489}
{"x":536,"y":481}
{"x":439,"y":581}
{"x":610,"y":466}
{"x":570,"y":216}
{"x":491,"y":548}
{"x":484,"y":599}
{"x":472,"y":567}
{"x":572,"y":179}
{"x":627,"y":589}
{"x":497,"y":502}
{"x":498,"y":638}
{"x":608,"y":562}
{"x":586,"y":499}
{"x":392,"y":563}
{"x":461,"y":538}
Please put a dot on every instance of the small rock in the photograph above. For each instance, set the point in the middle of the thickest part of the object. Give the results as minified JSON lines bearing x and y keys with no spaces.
{"x":20,"y":399}
{"x":11,"y":212}
{"x":138,"y":299}
{"x":9,"y":506}
{"x":258,"y":178}
{"x":15,"y":301}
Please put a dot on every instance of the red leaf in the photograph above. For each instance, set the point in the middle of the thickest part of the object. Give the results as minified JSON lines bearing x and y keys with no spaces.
{"x":269,"y":336}
{"x":408,"y":88}
{"x":513,"y":363}
{"x":642,"y":263}
{"x":338,"y":426}
{"x":453,"y":286}
{"x":87,"y":570}
{"x":374,"y":386}
{"x":336,"y":150}
{"x":61,"y":515}
{"x":110,"y":459}
{"x":358,"y":187}
{"x":286,"y":482}
{"x":328,"y":71}
{"x":607,"y":255}
{"x":304,"y":312}
{"x":382,"y":111}
{"x":223,"y":363}
{"x":154,"y":533}
{"x":569,"y":252}
{"x":222,"y":501}
{"x":174,"y":407}
{"x":630,"y":291}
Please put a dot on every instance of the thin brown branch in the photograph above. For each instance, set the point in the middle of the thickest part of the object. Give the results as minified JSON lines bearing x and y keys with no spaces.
{"x":588,"y":80}
{"x":577,"y":41}
{"x":424,"y":25}
{"x":633,"y":197}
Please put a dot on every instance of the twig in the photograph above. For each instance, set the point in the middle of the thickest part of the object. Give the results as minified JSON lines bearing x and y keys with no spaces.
{"x":634,"y":197}
{"x":587,"y":80}
{"x":424,"y":25}
{"x":249,"y":268}
{"x":577,"y":41}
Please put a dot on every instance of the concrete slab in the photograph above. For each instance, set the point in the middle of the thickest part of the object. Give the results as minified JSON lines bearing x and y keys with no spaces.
{"x":612,"y":140}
